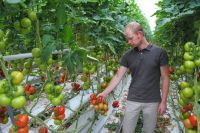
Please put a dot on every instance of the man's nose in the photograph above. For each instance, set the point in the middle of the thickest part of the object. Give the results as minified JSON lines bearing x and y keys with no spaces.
{"x":129,"y":41}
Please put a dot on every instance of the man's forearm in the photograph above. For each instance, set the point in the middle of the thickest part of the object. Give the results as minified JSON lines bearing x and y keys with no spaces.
{"x":165,"y":89}
{"x":113,"y":83}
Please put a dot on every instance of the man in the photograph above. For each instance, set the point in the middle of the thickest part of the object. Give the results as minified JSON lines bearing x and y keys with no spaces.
{"x":148,"y":64}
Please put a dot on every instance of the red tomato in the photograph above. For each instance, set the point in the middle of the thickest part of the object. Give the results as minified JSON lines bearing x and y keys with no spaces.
{"x":93,"y":96}
{"x":32,"y":90}
{"x":171,"y":70}
{"x":21,"y":120}
{"x":100,"y":99}
{"x":56,"y":110}
{"x":27,"y":86}
{"x":23,"y":130}
{"x":193,"y":120}
{"x":61,"y":117}
{"x":61,"y":110}
{"x":75,"y":86}
{"x":115,"y":104}
{"x":43,"y":130}
{"x":189,"y":107}
{"x":94,"y":102}
{"x":183,"y":110}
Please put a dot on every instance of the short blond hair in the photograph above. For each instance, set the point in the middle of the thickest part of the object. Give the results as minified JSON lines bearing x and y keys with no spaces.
{"x":134,"y":27}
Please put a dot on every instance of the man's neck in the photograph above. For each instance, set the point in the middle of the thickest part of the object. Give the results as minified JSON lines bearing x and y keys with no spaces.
{"x":143,"y":45}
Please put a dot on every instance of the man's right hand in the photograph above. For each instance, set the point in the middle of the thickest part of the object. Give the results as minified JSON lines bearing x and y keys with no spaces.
{"x":103,"y":94}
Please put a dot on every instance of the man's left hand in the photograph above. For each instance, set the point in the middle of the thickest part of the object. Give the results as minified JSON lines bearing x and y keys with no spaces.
{"x":162,"y":108}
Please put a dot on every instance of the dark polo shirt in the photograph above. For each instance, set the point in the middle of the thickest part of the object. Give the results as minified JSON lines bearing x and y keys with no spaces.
{"x":145,"y":71}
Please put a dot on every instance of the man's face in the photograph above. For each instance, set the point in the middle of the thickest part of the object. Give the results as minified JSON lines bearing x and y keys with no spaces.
{"x":134,"y":39}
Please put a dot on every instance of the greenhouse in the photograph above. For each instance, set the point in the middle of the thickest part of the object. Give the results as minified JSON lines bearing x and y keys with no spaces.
{"x":99,"y":66}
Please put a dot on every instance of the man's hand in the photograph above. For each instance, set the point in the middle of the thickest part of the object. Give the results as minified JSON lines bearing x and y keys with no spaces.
{"x":114,"y":82}
{"x":162,"y":108}
{"x":103,"y":94}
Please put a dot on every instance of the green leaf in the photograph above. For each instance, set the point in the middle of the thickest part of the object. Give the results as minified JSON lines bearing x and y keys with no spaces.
{"x":47,"y":51}
{"x":46,"y":39}
{"x":61,"y":15}
{"x":67,"y":33}
{"x":68,"y":62}
{"x":111,"y":47}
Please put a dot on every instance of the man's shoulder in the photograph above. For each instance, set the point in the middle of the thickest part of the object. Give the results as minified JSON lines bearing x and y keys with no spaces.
{"x":157,"y":48}
{"x":128,"y":52}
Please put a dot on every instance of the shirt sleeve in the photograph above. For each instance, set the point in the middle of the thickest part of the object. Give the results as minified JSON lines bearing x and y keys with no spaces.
{"x":124,"y":61}
{"x":163,"y":58}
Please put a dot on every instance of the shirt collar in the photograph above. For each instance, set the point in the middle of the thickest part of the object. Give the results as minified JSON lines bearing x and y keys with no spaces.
{"x":148,"y":48}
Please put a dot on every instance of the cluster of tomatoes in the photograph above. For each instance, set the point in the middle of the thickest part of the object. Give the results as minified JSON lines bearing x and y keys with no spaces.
{"x":58,"y":114}
{"x":21,"y":123}
{"x":87,"y":71}
{"x":191,"y":59}
{"x":27,"y":66}
{"x":30,"y":91}
{"x":12,"y":93}
{"x":75,"y":87}
{"x":25,"y":24}
{"x":3,"y":115}
{"x":99,"y":103}
{"x":54,"y":93}
{"x":188,"y":91}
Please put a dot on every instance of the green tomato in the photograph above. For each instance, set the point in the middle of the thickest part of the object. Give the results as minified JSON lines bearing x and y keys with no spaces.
{"x":184,"y":84}
{"x":3,"y":84}
{"x":25,"y":71}
{"x":57,"y":122}
{"x":181,"y":116}
{"x":17,"y":26}
{"x":183,"y":98}
{"x":188,"y":46}
{"x":36,"y":52}
{"x":25,"y":30}
{"x":188,"y":56}
{"x":58,"y":89}
{"x":49,"y":87}
{"x":50,"y":61}
{"x":37,"y":61}
{"x":32,"y":15}
{"x":182,"y":68}
{"x":32,"y":97}
{"x":188,"y":92}
{"x":27,"y":64}
{"x":1,"y":34}
{"x":197,"y":62}
{"x":4,"y":100}
{"x":85,"y":70}
{"x":17,"y":77}
{"x":2,"y":45}
{"x":189,"y":65}
{"x":61,"y":96}
{"x":56,"y":101}
{"x":181,"y":102}
{"x":50,"y":97}
{"x":18,"y":102}
{"x":19,"y":91}
{"x":190,"y":71}
{"x":26,"y":22}
{"x":190,"y":131}
{"x":42,"y":67}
